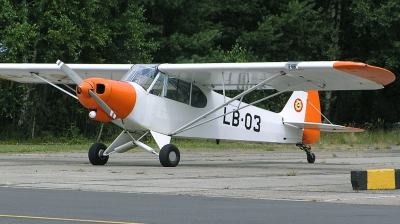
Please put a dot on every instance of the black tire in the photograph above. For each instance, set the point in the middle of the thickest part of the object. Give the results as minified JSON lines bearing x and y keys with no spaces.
{"x":169,"y":156}
{"x":311,"y":158}
{"x":93,"y":154}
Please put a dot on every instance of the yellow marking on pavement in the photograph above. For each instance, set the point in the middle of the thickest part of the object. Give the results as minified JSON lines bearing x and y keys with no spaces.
{"x":64,"y":219}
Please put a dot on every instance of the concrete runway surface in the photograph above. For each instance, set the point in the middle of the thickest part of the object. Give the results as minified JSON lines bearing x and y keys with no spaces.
{"x":276,"y":175}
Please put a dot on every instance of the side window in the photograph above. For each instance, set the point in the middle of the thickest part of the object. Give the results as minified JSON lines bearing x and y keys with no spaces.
{"x":198,"y":99}
{"x":179,"y":90}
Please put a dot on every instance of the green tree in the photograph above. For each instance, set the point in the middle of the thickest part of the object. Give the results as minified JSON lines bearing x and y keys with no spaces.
{"x":368,"y":33}
{"x":297,"y":32}
{"x":43,"y":31}
{"x":200,"y":31}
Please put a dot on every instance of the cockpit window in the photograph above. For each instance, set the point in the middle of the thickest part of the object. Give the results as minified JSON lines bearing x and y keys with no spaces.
{"x":141,"y":74}
{"x":165,"y":86}
{"x":184,"y":92}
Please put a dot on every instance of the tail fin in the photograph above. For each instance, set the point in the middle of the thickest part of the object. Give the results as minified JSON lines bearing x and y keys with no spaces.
{"x":304,"y":107}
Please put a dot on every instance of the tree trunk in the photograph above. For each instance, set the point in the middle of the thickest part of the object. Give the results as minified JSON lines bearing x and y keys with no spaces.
{"x":33,"y":124}
{"x":335,"y":10}
{"x":25,"y":105}
{"x":100,"y":132}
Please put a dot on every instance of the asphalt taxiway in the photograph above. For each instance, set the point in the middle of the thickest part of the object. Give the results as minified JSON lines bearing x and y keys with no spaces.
{"x":276,"y":175}
{"x":222,"y":186}
{"x":43,"y":206}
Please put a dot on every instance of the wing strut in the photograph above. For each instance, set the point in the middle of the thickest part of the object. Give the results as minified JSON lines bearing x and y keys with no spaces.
{"x":320,"y":113}
{"x":69,"y":87}
{"x":54,"y":85}
{"x":230,"y":101}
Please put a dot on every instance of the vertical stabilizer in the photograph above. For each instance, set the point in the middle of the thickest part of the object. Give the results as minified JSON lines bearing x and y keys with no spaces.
{"x":304,"y":107}
{"x":295,"y":108}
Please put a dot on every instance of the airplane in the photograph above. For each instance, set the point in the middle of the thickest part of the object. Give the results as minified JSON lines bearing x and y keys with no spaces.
{"x":180,"y":100}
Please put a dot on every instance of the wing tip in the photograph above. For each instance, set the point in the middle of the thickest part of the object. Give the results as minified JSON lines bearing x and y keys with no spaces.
{"x":376,"y":74}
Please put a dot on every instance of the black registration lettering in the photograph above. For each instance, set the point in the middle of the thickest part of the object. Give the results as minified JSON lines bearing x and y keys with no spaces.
{"x":249,"y":121}
{"x":235,"y":118}
{"x":226,"y":122}
{"x":257,"y":127}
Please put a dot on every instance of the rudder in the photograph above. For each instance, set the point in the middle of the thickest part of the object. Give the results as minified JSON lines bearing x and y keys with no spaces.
{"x":313,"y":114}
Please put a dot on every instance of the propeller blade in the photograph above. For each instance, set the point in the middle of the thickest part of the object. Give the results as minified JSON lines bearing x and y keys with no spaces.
{"x":103,"y":105}
{"x":69,"y":72}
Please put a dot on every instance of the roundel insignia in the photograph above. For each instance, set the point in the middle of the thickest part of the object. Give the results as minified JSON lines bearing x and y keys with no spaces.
{"x":298,"y":105}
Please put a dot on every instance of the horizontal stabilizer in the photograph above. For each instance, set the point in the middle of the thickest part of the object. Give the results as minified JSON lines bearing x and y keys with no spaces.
{"x":323,"y":127}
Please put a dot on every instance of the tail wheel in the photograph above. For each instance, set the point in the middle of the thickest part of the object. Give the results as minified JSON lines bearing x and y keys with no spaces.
{"x":95,"y":154}
{"x":169,"y":156}
{"x":311,"y":158}
{"x":307,"y":149}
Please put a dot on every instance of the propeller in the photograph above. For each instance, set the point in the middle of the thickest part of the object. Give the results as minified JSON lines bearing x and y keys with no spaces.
{"x":78,"y":80}
{"x":69,"y":72}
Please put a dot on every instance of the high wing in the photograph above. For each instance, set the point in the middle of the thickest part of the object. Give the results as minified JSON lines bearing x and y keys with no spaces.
{"x":51,"y":72}
{"x":329,"y":75}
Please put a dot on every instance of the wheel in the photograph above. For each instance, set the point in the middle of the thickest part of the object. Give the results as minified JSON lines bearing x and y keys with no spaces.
{"x":95,"y":154}
{"x":311,"y":158}
{"x":169,"y":155}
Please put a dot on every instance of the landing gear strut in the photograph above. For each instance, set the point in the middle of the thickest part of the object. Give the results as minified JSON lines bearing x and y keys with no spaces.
{"x":307,"y":149}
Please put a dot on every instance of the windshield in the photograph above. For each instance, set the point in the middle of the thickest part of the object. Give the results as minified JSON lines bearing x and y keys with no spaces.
{"x":142,"y":74}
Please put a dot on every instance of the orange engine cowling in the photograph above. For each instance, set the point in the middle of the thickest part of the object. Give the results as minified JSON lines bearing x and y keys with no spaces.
{"x":119,"y":96}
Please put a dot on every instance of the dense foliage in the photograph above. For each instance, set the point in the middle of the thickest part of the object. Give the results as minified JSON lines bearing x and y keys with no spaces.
{"x":179,"y":31}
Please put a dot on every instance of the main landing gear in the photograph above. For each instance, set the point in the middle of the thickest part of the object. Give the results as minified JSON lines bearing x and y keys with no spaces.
{"x":169,"y":155}
{"x":98,"y":154}
{"x":307,"y":149}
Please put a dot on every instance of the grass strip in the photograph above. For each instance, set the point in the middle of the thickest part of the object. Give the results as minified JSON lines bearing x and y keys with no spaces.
{"x":377,"y":140}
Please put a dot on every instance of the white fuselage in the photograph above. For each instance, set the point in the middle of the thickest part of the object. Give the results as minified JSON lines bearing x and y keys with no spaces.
{"x":165,"y":116}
